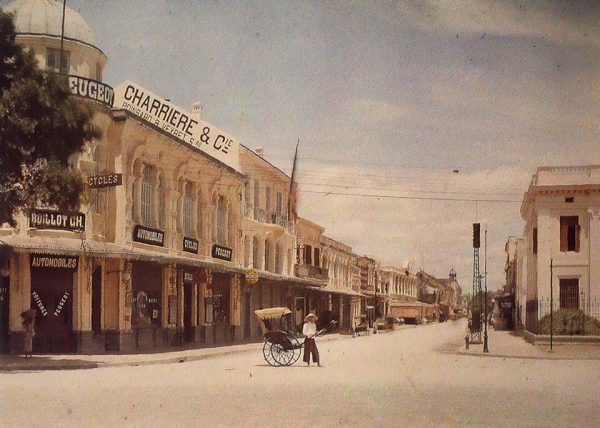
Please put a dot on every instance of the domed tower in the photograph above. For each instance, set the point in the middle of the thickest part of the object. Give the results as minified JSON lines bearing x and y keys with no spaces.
{"x":38,"y":24}
{"x":452,"y":275}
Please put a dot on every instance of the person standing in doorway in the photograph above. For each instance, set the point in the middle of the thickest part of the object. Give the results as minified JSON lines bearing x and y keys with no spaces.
{"x":28,"y":324}
{"x":309,"y":330}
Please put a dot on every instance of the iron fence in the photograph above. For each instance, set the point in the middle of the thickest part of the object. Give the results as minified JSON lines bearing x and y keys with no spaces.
{"x":573,"y":313}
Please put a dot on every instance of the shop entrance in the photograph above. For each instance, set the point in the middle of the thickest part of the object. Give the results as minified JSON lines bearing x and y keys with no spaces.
{"x":52,"y":296}
{"x":247,"y":314}
{"x":97,"y":300}
{"x":4,"y":299}
{"x":187,"y":312}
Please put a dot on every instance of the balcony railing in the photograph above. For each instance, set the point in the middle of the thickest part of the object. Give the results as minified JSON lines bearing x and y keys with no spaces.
{"x":271,"y":217}
{"x":309,"y":271}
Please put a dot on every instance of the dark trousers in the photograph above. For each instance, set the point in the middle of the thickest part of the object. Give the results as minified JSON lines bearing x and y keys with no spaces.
{"x":310,"y":347}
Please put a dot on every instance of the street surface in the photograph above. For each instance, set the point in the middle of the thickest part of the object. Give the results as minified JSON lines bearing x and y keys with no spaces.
{"x":410,"y":377}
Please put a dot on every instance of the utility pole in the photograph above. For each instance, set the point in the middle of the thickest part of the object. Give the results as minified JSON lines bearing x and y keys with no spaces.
{"x":485,"y":335}
{"x":62,"y":38}
{"x":551,"y":306}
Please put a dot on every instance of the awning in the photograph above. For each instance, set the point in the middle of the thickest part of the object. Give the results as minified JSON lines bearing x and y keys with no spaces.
{"x":91,"y":248}
{"x":335,"y":291}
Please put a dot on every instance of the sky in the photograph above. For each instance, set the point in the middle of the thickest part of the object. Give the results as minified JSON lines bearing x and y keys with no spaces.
{"x":415,"y":118}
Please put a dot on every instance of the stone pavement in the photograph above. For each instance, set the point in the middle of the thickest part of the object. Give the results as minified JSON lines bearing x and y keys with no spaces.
{"x":507,"y":344}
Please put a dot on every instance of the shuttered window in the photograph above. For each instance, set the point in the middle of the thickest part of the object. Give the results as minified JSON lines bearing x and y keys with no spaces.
{"x":569,"y":233}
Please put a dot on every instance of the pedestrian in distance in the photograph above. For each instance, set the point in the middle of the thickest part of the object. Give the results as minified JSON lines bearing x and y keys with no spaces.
{"x":28,"y":327}
{"x":309,"y":330}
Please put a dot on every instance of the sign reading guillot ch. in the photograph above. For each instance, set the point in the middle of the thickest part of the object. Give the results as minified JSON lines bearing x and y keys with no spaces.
{"x":168,"y":118}
{"x":43,"y":219}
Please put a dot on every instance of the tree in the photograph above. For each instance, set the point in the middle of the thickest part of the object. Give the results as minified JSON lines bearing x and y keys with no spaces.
{"x":41,"y":127}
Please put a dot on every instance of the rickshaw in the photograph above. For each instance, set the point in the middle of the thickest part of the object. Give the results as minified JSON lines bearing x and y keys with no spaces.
{"x":281,"y":347}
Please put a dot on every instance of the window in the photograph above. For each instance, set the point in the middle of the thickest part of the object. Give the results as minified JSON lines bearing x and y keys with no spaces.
{"x":255,"y":253}
{"x":279,"y":205}
{"x":535,"y":240}
{"x":161,"y":192}
{"x":569,"y":293}
{"x":256,"y":194}
{"x":317,"y":257}
{"x":569,"y":233}
{"x":278,"y":258}
{"x":188,"y":202}
{"x":133,"y":199}
{"x":146,"y":199}
{"x":267,"y":254}
{"x":98,"y":72}
{"x":96,"y":192}
{"x":221,"y":221}
{"x":268,"y":199}
{"x":569,"y":200}
{"x":308,"y":254}
{"x":53,"y":59}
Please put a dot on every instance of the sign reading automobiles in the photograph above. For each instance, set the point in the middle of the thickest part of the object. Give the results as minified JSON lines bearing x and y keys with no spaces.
{"x":53,"y":262}
{"x":44,"y":219}
{"x":221,"y":252}
{"x":145,"y":235}
{"x":92,"y":89}
{"x":178,"y":123}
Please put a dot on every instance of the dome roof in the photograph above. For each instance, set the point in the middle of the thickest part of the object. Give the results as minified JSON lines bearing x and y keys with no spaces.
{"x":45,"y":17}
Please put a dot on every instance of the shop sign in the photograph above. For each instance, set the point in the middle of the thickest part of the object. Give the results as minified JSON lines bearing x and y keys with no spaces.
{"x":107,"y":180}
{"x":38,"y":301}
{"x":44,"y":219}
{"x":168,"y":118}
{"x":506,"y":304}
{"x":188,"y":277}
{"x":222,"y":253}
{"x":92,"y":89}
{"x":145,"y":235}
{"x":251,"y":276}
{"x":190,"y":245}
{"x":62,"y":302}
{"x":53,"y":262}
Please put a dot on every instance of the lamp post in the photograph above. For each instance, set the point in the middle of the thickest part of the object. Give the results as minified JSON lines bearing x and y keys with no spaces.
{"x":485,"y":333}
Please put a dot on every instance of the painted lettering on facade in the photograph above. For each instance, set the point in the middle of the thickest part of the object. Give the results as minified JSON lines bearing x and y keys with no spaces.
{"x":38,"y":301}
{"x":54,"y":262}
{"x":222,"y":253}
{"x":148,"y":236}
{"x":178,"y":123}
{"x":92,"y":89}
{"x":62,"y":302}
{"x":108,"y":180}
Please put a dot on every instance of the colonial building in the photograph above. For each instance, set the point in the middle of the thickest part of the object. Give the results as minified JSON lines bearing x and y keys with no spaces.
{"x":401,"y":288}
{"x":561,"y":210}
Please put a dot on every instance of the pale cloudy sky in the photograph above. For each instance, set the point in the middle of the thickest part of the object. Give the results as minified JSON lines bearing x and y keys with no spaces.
{"x":388,"y":98}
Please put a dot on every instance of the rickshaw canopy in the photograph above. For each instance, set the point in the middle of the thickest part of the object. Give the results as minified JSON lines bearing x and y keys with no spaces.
{"x":271,"y":313}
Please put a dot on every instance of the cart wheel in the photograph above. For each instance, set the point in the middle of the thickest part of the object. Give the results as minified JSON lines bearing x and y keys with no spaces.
{"x":268,"y":354}
{"x":286,"y":350}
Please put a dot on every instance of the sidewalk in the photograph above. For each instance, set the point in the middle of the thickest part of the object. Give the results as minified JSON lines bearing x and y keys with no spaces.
{"x":507,"y":344}
{"x":12,"y":363}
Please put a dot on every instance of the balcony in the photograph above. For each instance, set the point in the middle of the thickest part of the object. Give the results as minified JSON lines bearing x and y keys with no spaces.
{"x":309,"y":271}
{"x":271,"y":217}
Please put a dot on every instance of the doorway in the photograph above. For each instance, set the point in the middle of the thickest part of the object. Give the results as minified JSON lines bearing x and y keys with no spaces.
{"x":247,"y":313}
{"x":52,"y":296}
{"x":187,"y":312}
{"x":97,"y":300}
{"x":4,"y":312}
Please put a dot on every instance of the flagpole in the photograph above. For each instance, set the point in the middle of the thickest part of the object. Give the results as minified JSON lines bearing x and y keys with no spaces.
{"x":291,"y":192}
{"x":62,"y":37}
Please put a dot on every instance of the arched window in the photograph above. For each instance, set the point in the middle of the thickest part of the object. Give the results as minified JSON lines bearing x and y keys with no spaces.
{"x":255,"y":253}
{"x":146,"y":198}
{"x":278,"y":258}
{"x":221,"y":220}
{"x":188,"y":225}
{"x":267,"y":254}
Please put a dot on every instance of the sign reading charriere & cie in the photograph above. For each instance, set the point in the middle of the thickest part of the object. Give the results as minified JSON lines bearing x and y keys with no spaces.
{"x":145,"y":235}
{"x":44,"y":219}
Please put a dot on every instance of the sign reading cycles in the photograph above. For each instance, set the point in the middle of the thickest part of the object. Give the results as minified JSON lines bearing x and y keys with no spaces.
{"x":175,"y":121}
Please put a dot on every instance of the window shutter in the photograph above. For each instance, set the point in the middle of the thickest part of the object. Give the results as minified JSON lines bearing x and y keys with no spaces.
{"x":577,"y":235}
{"x":563,"y":236}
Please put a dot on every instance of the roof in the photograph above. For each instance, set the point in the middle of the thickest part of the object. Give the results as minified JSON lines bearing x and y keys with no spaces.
{"x":44,"y":17}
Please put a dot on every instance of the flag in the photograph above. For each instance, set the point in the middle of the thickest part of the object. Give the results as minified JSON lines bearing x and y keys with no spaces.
{"x":292,"y":196}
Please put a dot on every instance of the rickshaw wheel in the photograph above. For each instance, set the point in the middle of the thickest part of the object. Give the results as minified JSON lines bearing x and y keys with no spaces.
{"x":267,"y":353}
{"x":286,"y":350}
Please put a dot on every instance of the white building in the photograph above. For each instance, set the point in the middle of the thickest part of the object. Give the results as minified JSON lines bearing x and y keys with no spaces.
{"x":561,"y":210}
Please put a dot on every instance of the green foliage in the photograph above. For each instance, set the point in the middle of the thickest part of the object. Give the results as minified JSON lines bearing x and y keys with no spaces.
{"x":570,"y":322}
{"x":41,"y":127}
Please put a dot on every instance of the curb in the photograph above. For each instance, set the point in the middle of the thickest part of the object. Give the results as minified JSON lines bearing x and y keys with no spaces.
{"x":86,"y":365}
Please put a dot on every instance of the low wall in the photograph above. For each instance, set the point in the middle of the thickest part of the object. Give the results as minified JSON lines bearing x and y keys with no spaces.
{"x":544,"y":339}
